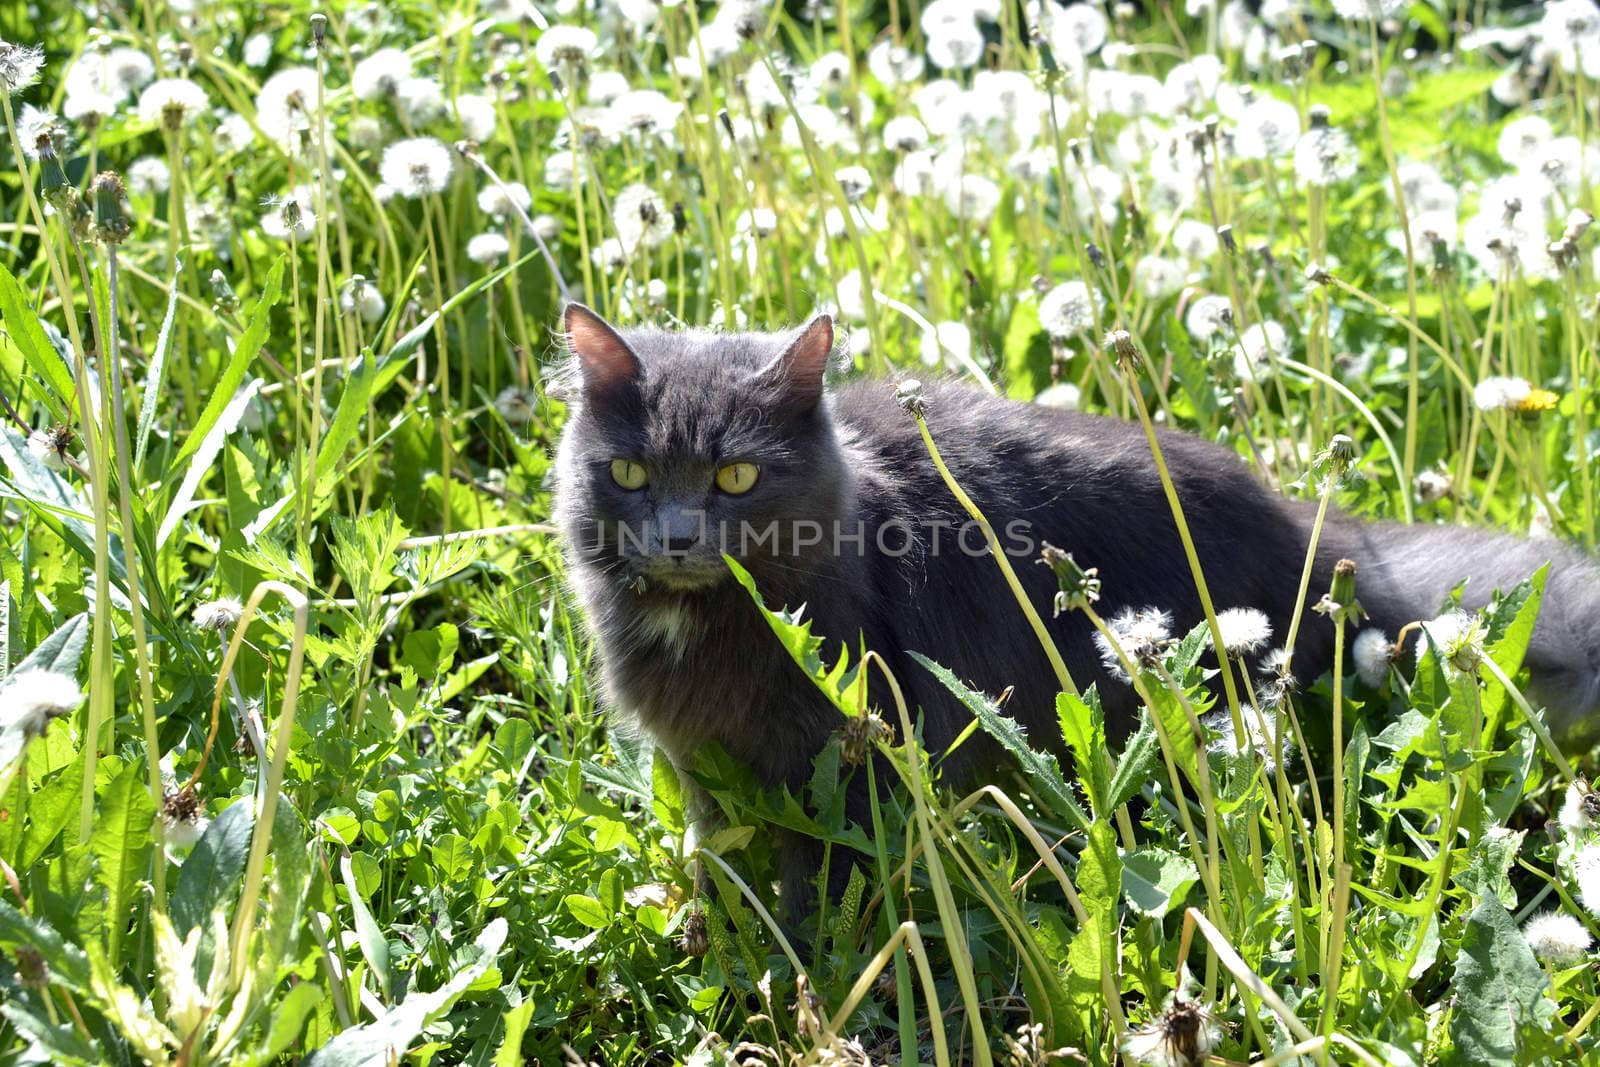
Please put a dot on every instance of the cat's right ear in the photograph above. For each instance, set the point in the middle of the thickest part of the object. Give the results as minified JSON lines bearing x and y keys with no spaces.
{"x":606,"y":365}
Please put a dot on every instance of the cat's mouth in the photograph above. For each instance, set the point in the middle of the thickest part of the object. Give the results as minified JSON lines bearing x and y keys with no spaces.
{"x":676,"y":574}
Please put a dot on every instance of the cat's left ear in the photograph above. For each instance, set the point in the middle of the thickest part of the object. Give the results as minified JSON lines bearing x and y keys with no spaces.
{"x":796,"y":375}
{"x":606,"y":363}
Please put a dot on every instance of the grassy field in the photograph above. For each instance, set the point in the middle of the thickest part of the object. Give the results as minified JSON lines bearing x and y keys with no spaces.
{"x":300,"y":755}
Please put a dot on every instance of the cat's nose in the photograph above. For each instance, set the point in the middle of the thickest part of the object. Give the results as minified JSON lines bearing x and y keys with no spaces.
{"x":679,"y":529}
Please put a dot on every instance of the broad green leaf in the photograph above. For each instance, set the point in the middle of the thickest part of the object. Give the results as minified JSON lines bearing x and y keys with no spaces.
{"x":346,"y":420}
{"x":509,"y":1054}
{"x":208,"y":877}
{"x":587,"y":910}
{"x":121,"y":844}
{"x":1083,"y":727}
{"x":1139,"y":760}
{"x":204,"y":453}
{"x":55,"y":502}
{"x":838,"y":683}
{"x":68,"y":964}
{"x":452,"y":856}
{"x":59,"y":1044}
{"x":1501,"y":1013}
{"x":374,"y":946}
{"x":1042,"y":771}
{"x":244,"y":350}
{"x":379,"y":1043}
{"x":666,"y":790}
{"x":27,"y":333}
{"x":1155,"y":881}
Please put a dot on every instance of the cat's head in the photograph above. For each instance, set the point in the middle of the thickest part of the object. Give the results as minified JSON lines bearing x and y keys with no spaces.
{"x":684,"y":446}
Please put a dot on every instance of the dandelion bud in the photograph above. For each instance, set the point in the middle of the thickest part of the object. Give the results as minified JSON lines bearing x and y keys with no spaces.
{"x":1097,"y":257}
{"x":1513,"y":208}
{"x":1121,"y":342}
{"x":110,"y":199}
{"x":319,"y":29}
{"x":185,"y":54}
{"x":1226,"y":238}
{"x":1340,"y":604}
{"x":53,"y":184}
{"x":1578,"y":223}
{"x":1080,"y":586}
{"x":1320,"y":118}
{"x":223,"y":298}
{"x":695,"y":939}
{"x":1563,"y":253}
{"x":1341,"y":452}
{"x":218,"y":615}
{"x":1075,"y":149}
{"x":908,"y":394}
{"x":1317,"y":274}
{"x":858,"y":736}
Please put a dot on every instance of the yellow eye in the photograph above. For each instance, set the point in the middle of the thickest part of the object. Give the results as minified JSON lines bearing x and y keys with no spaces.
{"x":628,"y":474}
{"x":738,"y":478}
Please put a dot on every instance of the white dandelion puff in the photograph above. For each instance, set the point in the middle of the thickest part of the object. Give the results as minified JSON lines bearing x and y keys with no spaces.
{"x":417,"y":166}
{"x":1558,"y":939}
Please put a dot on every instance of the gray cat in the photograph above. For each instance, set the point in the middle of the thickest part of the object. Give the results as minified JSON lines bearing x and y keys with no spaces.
{"x":680,"y":447}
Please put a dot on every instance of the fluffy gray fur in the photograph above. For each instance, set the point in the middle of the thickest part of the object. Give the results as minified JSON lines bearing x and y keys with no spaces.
{"x":685,"y":656}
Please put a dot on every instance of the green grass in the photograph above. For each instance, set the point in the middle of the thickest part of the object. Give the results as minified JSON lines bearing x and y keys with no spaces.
{"x":334,"y":645}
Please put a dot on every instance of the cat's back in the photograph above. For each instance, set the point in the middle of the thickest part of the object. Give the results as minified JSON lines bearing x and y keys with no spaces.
{"x":1025,"y":454}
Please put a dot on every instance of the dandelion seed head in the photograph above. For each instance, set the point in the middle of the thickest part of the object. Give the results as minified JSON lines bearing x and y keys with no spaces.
{"x":286,"y":106}
{"x":1585,"y":871}
{"x":362,"y":297}
{"x":956,"y":46}
{"x":642,"y":217}
{"x":1498,"y":392}
{"x":149,"y":176}
{"x":420,"y":100}
{"x":1254,"y":357}
{"x":476,"y":114}
{"x":1068,"y":309}
{"x":972,"y":197}
{"x":1141,"y":634}
{"x":1324,"y":155}
{"x":1267,"y":128}
{"x":904,"y":133}
{"x":502,"y":201}
{"x":1194,"y":240}
{"x":1558,"y":939}
{"x":1208,"y":316}
{"x":1457,"y":637}
{"x":380,"y":74}
{"x":893,"y":64}
{"x":19,"y":66}
{"x":171,"y":102}
{"x":1245,"y":631}
{"x":565,"y":47}
{"x":32,"y":697}
{"x":417,"y":166}
{"x":1372,"y":652}
{"x":218,"y":615}
{"x":1063,"y":396}
{"x":949,"y":344}
{"x":1364,"y":10}
{"x":1157,"y":277}
{"x":486,"y":248}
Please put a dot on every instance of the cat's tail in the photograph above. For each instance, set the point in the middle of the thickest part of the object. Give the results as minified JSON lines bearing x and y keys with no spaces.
{"x":1404,"y":573}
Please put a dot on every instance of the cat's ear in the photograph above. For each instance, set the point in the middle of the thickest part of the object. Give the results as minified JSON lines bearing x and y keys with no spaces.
{"x":796,"y":375}
{"x":605,"y":362}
